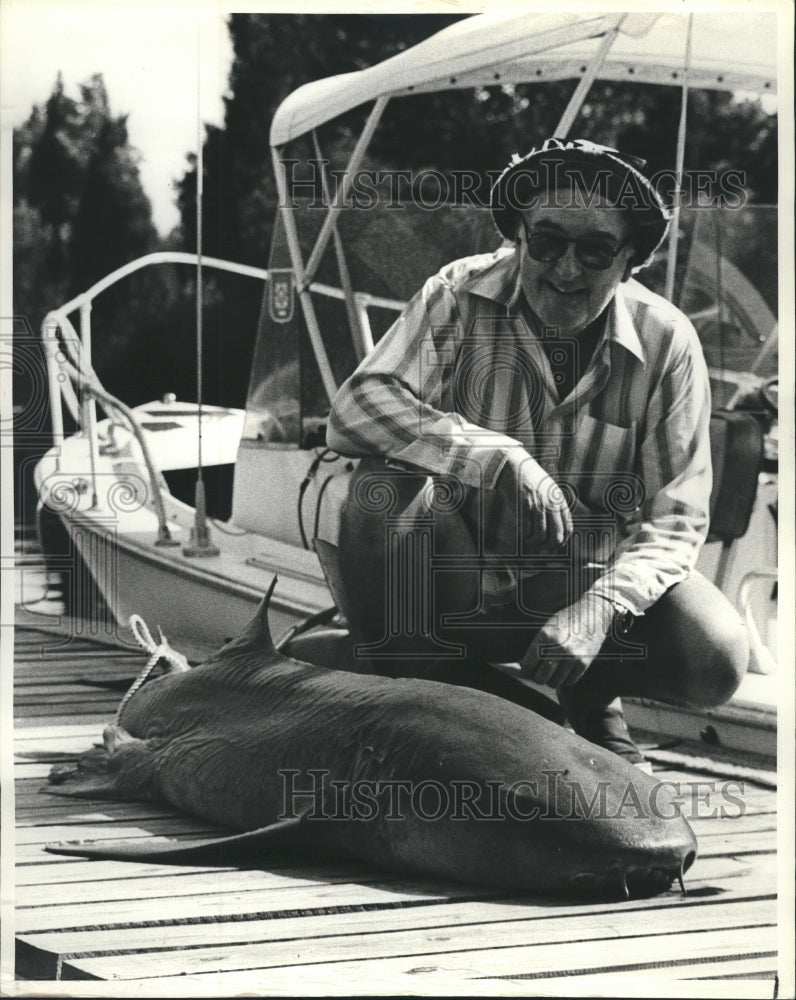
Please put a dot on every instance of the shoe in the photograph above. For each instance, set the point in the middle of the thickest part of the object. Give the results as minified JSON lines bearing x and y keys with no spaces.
{"x":603,"y":725}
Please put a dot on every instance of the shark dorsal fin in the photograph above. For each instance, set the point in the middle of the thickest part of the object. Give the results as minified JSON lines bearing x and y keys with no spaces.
{"x":256,"y":637}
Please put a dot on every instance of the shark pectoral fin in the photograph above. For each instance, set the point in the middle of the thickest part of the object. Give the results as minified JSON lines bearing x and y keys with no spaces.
{"x":70,"y":782}
{"x":88,"y":776}
{"x":213,"y":850}
{"x":120,"y":768}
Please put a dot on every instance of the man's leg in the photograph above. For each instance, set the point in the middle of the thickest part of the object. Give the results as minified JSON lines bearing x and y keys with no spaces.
{"x":695,"y":644}
{"x":390,"y":528}
{"x":696,"y":650}
{"x":695,"y":653}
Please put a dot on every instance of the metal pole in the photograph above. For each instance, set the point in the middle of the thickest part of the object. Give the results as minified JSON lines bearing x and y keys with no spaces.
{"x":56,"y":414}
{"x":353,"y":164}
{"x":342,"y":265}
{"x":89,"y":403}
{"x":286,"y":208}
{"x":200,"y":543}
{"x":671,"y":261}
{"x":364,"y":323}
{"x":583,"y":87}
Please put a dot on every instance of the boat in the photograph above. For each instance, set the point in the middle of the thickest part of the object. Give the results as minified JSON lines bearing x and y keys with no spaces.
{"x":115,"y":489}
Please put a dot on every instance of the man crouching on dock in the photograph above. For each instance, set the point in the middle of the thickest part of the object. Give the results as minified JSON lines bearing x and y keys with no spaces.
{"x":537,"y":475}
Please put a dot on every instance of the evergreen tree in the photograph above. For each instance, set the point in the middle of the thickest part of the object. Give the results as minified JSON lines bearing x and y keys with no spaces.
{"x":56,"y":163}
{"x":113,"y":223}
{"x":79,"y":212}
{"x":459,"y":129}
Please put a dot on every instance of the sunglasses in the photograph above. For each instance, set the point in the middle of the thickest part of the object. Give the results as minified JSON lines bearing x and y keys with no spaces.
{"x":596,"y":254}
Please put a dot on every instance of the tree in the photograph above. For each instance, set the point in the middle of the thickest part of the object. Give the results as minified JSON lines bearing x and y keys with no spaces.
{"x":273,"y":54}
{"x":113,"y":222}
{"x":473,"y":129}
{"x":57,"y":160}
{"x":79,"y":212}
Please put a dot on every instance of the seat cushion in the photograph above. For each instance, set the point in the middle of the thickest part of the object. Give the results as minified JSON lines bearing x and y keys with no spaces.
{"x":736,"y":447}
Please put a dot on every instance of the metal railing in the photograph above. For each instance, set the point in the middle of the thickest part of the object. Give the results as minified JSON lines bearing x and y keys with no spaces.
{"x":81,"y":375}
{"x":69,"y":365}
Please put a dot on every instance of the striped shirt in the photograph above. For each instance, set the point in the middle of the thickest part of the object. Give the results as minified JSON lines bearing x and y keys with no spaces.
{"x":460,"y":385}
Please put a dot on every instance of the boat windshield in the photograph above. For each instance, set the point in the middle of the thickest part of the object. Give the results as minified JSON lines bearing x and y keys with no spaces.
{"x":388,"y":253}
{"x":726,"y":283}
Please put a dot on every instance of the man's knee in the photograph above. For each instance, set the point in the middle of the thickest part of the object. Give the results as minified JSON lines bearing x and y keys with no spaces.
{"x":710,"y":642}
{"x":727,"y":659}
{"x":384,"y":504}
{"x":392,"y":526}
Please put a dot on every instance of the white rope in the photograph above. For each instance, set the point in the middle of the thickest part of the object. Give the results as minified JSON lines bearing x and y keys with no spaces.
{"x":157,"y":650}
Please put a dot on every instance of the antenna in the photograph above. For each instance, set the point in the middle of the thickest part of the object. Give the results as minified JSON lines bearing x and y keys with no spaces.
{"x":200,"y":543}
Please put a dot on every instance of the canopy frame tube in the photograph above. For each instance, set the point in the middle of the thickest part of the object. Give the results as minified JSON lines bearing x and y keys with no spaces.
{"x":303,"y":274}
{"x":585,"y":83}
{"x":339,"y":202}
{"x":674,"y":230}
{"x":352,"y":312}
{"x":299,"y":276}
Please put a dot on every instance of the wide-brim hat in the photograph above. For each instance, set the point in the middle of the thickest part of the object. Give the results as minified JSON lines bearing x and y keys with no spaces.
{"x":595,"y":170}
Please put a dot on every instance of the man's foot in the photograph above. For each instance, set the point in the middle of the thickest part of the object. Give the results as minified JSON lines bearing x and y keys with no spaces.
{"x":603,"y":725}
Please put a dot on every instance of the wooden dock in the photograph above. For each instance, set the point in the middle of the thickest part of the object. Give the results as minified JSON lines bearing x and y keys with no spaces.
{"x":295,"y":926}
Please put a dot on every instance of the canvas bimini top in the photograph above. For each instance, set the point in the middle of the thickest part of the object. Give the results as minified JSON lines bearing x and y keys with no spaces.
{"x":728,"y":51}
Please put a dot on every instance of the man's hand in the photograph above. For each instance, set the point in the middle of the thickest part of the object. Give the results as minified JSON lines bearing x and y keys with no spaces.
{"x":566,"y":645}
{"x":543,"y":509}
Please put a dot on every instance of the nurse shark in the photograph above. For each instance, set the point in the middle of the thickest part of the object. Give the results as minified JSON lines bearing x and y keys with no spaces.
{"x":409,"y":775}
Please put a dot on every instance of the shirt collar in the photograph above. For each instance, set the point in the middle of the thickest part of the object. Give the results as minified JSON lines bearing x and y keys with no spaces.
{"x":498,"y":280}
{"x":620,"y":326}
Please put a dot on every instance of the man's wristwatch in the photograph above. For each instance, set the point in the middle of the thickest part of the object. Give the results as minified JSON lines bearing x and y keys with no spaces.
{"x":623,"y":619}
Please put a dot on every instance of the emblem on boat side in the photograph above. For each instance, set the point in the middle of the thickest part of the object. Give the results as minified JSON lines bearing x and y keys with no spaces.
{"x":280,"y":296}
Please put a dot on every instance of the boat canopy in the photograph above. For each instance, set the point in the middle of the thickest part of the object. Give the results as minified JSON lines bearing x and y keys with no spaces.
{"x":729,"y":51}
{"x":721,"y":51}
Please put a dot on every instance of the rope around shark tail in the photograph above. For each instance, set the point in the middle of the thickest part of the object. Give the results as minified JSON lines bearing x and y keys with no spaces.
{"x":162,"y":650}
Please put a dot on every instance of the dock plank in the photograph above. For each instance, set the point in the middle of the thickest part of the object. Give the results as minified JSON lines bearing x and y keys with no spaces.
{"x":410,"y":973}
{"x":40,"y":835}
{"x":723,"y":876}
{"x":243,"y":905}
{"x":91,"y":811}
{"x":70,"y":871}
{"x":448,"y":942}
{"x":83,"y":718}
{"x":157,"y":886}
{"x":457,"y":917}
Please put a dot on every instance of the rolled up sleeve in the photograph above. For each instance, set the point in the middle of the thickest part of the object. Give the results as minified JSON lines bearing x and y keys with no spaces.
{"x":397,"y":403}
